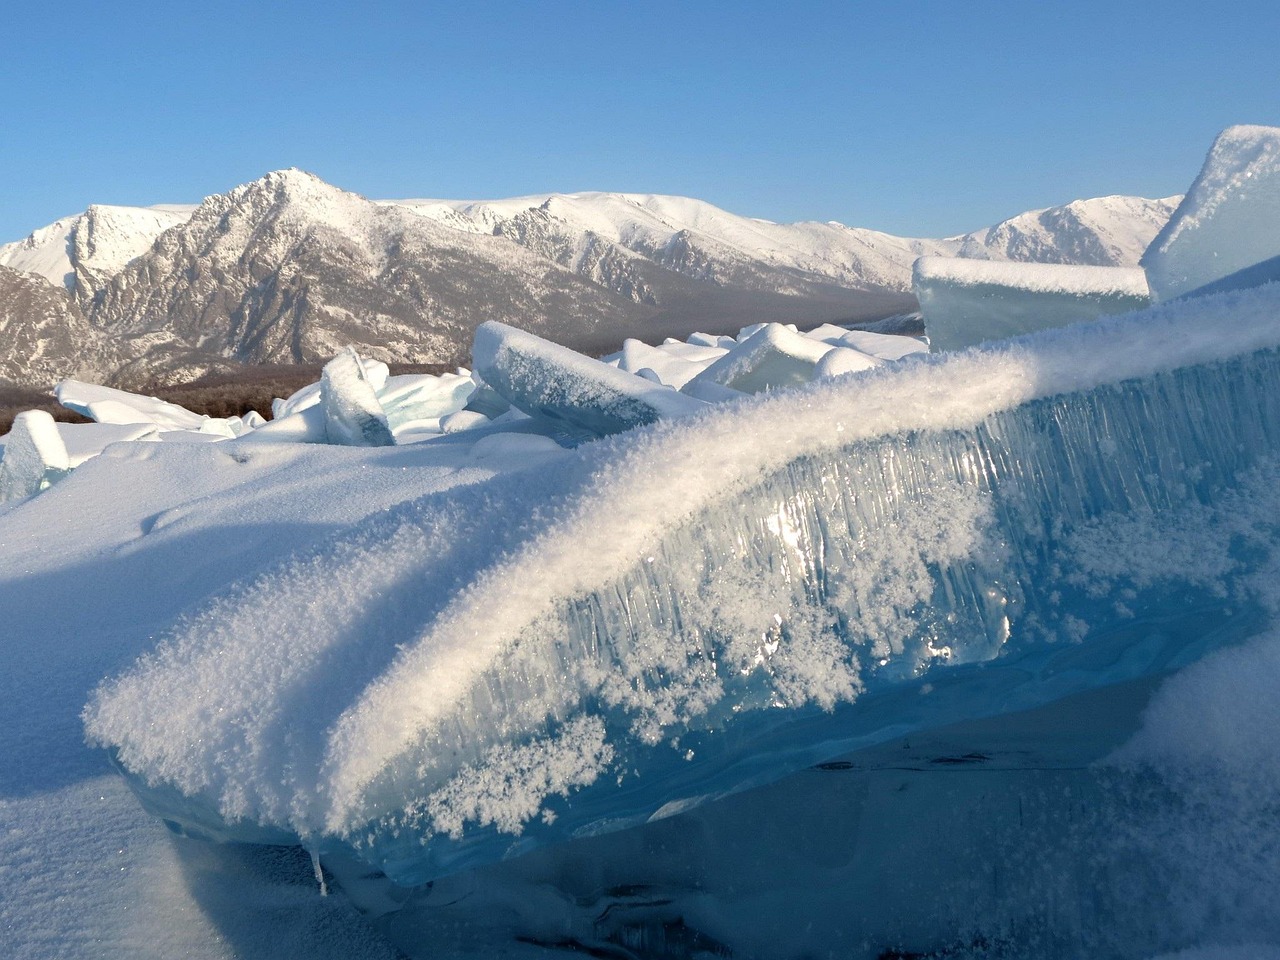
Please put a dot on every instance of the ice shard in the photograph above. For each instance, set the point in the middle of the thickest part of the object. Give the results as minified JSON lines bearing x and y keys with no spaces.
{"x":561,"y":386}
{"x":1226,"y":232}
{"x":35,"y":456}
{"x":353,"y":416}
{"x":966,"y":302}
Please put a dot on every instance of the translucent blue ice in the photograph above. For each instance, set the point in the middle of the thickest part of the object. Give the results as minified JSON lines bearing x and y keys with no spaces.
{"x":565,"y":388}
{"x":966,"y":302}
{"x":679,"y":614}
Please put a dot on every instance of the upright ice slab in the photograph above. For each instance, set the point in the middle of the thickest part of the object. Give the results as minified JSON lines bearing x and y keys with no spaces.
{"x":556,"y":384}
{"x":352,"y":414}
{"x":1225,"y":234}
{"x":966,"y":302}
{"x":34,"y":456}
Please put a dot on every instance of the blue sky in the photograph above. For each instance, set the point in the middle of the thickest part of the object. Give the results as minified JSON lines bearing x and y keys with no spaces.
{"x":919,"y":118}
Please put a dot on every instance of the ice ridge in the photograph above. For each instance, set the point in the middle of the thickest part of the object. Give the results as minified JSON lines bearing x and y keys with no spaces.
{"x":684,"y":610}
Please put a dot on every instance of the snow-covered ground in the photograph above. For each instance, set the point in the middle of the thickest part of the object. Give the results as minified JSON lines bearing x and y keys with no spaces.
{"x":780,"y":645}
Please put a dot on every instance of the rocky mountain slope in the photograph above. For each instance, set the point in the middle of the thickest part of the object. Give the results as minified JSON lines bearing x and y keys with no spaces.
{"x":287,"y":269}
{"x":44,"y":336}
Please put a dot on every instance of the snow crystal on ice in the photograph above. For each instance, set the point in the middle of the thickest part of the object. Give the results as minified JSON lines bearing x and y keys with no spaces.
{"x":1226,"y":232}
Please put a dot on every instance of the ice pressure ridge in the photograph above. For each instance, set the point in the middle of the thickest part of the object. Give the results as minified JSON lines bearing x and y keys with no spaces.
{"x":522,"y":385}
{"x":685,"y":610}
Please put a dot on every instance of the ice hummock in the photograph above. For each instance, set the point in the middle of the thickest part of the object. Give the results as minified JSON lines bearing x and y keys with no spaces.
{"x":684,"y":611}
{"x":108,"y":405}
{"x":1226,"y":232}
{"x":353,"y":416}
{"x":556,"y":384}
{"x":966,"y":302}
{"x":771,"y":356}
{"x":34,"y":456}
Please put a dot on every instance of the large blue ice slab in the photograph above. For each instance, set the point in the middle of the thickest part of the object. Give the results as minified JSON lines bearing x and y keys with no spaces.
{"x":674,"y":615}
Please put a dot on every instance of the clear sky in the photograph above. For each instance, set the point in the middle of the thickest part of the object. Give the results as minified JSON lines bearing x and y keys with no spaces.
{"x":920,"y":118}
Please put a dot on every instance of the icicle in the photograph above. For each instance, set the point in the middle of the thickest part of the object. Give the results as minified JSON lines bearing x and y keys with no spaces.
{"x":315,"y":865}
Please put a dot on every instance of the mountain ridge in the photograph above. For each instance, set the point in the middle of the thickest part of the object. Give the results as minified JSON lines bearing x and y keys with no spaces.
{"x":288,"y":268}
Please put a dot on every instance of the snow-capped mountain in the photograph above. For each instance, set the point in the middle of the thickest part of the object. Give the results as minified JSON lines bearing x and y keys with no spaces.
{"x":289,"y":268}
{"x":83,"y":252}
{"x":613,"y":238}
{"x":1103,"y":232}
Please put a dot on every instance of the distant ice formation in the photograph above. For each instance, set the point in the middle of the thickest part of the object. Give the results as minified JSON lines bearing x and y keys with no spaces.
{"x":353,"y":416}
{"x":559,"y":385}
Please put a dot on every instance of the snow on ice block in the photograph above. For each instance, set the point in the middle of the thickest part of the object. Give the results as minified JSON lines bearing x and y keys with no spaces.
{"x":711,"y":340}
{"x":556,"y":384}
{"x":842,"y":360}
{"x":884,"y":346}
{"x":108,"y":405}
{"x":296,"y":402}
{"x":353,"y":416}
{"x":417,"y":397}
{"x":34,"y":456}
{"x":671,"y":369}
{"x":965,"y":302}
{"x":1226,"y":232}
{"x":772,"y":357}
{"x":84,"y":441}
